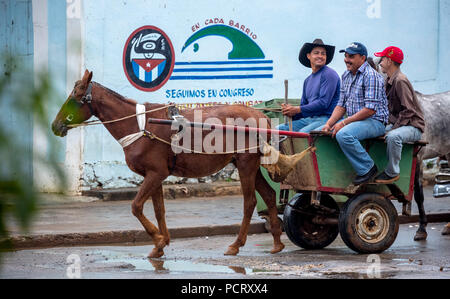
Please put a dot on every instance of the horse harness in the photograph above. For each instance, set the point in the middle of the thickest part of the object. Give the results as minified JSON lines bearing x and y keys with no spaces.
{"x":125,"y":141}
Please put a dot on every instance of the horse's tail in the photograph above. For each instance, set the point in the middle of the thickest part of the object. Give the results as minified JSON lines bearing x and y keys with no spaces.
{"x":279,"y":165}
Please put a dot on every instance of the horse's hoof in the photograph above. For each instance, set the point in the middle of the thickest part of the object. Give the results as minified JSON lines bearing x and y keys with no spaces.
{"x":446,"y":230}
{"x":159,"y":241}
{"x":277,"y":248}
{"x":156,"y":252}
{"x":420,"y":236}
{"x":232,"y":251}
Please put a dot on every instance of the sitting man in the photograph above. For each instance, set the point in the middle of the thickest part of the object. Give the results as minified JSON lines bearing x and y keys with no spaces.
{"x":406,"y":122}
{"x":320,"y":89}
{"x":364,"y":101}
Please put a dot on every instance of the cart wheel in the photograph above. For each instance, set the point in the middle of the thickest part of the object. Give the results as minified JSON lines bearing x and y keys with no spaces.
{"x":368,"y":223}
{"x":301,"y":229}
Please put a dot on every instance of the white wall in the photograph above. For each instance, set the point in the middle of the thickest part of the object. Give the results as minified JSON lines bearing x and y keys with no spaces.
{"x":419,"y":27}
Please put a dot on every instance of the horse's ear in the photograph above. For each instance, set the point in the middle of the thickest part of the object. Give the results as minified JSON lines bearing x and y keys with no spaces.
{"x":87,"y":77}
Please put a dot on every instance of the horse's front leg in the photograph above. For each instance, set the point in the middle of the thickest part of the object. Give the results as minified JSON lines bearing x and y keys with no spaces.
{"x":160,"y":213}
{"x":150,"y":186}
{"x":421,"y":233}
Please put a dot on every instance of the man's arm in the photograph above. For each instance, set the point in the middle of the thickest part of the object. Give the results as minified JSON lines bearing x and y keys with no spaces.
{"x":329,"y":82}
{"x":338,"y":113}
{"x":407,"y":103}
{"x":363,"y":114}
{"x":290,"y":110}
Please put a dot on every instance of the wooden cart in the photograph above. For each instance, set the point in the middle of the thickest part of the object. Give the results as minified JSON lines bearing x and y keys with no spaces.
{"x":318,"y":200}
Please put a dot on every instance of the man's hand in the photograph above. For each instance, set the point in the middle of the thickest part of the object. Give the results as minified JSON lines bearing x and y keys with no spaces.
{"x":326,"y":128}
{"x":289,"y":110}
{"x":337,"y":127}
{"x":334,"y":129}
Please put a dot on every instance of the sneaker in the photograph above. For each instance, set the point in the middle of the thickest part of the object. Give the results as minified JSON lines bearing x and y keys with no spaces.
{"x":361,"y":179}
{"x":383,"y":178}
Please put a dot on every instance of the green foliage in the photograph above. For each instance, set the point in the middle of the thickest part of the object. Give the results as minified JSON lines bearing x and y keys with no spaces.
{"x":24,"y":102}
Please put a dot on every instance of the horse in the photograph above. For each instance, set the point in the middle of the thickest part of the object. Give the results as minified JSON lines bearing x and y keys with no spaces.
{"x":436,"y":110}
{"x":152,"y":158}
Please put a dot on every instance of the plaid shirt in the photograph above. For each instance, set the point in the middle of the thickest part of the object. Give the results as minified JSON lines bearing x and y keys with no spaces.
{"x":365,"y":89}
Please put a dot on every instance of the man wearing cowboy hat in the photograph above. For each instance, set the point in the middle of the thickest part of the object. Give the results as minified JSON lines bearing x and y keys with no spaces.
{"x":406,"y":121}
{"x":320,"y":89}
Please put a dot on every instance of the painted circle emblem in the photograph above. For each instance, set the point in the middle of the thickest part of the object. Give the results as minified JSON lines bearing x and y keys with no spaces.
{"x":148,"y":58}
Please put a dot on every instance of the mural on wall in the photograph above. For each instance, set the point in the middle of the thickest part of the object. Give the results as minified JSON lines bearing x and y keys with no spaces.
{"x":149,"y":62}
{"x":148,"y":58}
{"x":245,"y":60}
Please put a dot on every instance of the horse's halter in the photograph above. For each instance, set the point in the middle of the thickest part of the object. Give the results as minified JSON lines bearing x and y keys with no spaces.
{"x":85,"y":99}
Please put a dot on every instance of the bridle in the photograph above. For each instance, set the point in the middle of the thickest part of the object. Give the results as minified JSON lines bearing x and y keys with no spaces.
{"x":87,"y":98}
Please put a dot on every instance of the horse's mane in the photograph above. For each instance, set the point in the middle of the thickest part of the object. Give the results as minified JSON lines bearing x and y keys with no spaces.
{"x":119,"y":96}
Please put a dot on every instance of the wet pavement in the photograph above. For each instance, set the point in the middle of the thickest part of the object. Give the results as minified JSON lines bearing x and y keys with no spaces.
{"x":202,"y":258}
{"x":61,"y":214}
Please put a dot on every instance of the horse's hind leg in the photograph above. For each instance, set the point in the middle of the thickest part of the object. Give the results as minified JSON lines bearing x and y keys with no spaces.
{"x":421,"y":233}
{"x":148,"y":188}
{"x":247,"y":174}
{"x":269,"y":197}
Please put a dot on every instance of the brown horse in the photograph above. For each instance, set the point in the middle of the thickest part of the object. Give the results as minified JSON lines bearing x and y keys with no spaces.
{"x":155,"y":160}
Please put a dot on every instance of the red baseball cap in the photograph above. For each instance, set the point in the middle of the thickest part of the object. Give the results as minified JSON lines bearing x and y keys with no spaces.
{"x":394,"y":53}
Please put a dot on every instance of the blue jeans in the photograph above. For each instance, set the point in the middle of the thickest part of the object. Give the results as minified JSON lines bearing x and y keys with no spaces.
{"x":348,"y":138}
{"x":394,"y":140}
{"x":305,"y":125}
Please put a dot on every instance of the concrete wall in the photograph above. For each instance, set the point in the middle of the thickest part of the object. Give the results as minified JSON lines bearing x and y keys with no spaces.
{"x":279,"y":29}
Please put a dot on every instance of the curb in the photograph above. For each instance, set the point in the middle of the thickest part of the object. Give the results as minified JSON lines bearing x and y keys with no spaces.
{"x":138,"y":236}
{"x":127,"y":236}
{"x":170,"y":191}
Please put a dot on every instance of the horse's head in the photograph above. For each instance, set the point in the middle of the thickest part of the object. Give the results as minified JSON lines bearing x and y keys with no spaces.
{"x":77,"y":107}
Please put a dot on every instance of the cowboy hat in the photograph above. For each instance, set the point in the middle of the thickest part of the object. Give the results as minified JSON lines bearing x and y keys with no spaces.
{"x":307,"y":48}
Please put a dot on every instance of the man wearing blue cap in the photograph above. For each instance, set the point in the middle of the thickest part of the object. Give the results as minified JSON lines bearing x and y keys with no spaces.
{"x":364,"y":100}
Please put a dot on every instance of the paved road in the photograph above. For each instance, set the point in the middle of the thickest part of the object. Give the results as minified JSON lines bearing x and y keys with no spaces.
{"x":202,"y":257}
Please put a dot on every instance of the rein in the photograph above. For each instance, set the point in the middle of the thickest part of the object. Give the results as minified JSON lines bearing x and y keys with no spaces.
{"x":153,"y":136}
{"x":98,"y":122}
{"x":127,"y":140}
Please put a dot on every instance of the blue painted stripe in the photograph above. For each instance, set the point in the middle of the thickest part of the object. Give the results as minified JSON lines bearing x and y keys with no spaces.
{"x":223,"y":69}
{"x":135,"y":68}
{"x":221,"y":77}
{"x":161,"y":67}
{"x":148,"y":76}
{"x":224,"y":62}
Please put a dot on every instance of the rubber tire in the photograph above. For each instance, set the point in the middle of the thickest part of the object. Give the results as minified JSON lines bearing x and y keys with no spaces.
{"x":300,"y":229}
{"x":348,"y":219}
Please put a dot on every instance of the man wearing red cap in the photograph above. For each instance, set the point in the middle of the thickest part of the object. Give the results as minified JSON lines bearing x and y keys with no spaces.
{"x":406,"y":122}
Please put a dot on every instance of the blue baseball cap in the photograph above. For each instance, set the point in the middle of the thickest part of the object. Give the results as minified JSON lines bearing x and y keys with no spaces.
{"x":355,"y":48}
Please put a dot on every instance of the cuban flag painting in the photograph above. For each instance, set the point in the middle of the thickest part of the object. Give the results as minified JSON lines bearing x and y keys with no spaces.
{"x":148,"y":70}
{"x":148,"y":58}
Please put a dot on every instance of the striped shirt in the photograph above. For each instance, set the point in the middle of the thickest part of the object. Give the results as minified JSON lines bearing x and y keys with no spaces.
{"x":364,"y":89}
